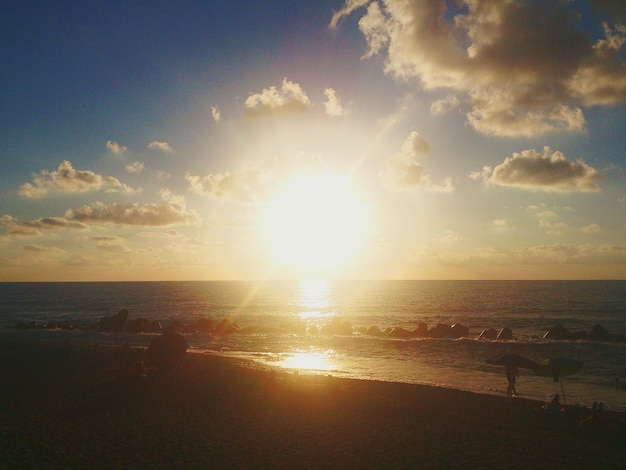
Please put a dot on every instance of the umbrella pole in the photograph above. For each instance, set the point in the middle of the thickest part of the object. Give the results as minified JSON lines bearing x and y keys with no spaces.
{"x":563,"y":391}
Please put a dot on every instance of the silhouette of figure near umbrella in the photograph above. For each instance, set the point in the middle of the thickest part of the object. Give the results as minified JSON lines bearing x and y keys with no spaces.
{"x":557,"y":368}
{"x":511,"y":363}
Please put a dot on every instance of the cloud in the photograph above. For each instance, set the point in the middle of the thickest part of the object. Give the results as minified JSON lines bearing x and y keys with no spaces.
{"x":250,"y":184}
{"x":546,"y":171}
{"x":525,"y":67}
{"x":215,"y":113}
{"x":289,"y":98}
{"x":403,"y":173}
{"x":591,"y":228}
{"x":37,"y":248}
{"x":111,"y":244}
{"x":445,"y":105}
{"x":162,"y":146}
{"x":155,"y":215}
{"x":54,"y":223}
{"x":168,"y":234}
{"x":115,"y":148}
{"x":134,"y":167}
{"x":333,"y":105}
{"x":348,"y":8}
{"x":68,"y":180}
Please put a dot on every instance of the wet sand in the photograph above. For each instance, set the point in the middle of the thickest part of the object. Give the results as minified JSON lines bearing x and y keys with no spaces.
{"x":66,"y":406}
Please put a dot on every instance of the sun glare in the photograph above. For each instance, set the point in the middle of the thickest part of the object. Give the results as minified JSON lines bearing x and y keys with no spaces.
{"x":316,"y":222}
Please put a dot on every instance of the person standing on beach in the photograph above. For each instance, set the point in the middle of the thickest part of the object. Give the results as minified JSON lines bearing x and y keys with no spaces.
{"x":511,"y":374}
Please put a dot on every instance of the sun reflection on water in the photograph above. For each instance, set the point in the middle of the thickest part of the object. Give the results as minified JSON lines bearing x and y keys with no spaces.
{"x":309,"y":361}
{"x":314,"y":299}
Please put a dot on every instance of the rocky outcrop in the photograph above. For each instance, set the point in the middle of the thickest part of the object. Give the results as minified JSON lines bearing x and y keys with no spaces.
{"x":489,"y":333}
{"x":114,"y":323}
{"x":597,"y":333}
{"x":505,"y":334}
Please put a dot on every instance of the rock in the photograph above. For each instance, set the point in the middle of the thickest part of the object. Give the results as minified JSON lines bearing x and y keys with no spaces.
{"x":505,"y":334}
{"x":421,"y":330}
{"x":488,"y":334}
{"x":558,"y":332}
{"x":336,"y":327}
{"x":113,"y":323}
{"x":459,"y":331}
{"x":400,"y":333}
{"x":441,"y":330}
{"x":167,"y":350}
{"x":226,"y":327}
{"x":374,"y":331}
{"x":137,"y":325}
{"x":205,"y":325}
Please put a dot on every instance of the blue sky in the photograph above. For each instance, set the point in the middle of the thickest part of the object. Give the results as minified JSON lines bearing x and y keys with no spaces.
{"x":358,"y":139}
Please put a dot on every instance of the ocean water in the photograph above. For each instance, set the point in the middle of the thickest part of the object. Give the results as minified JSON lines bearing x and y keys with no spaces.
{"x":528,"y":308}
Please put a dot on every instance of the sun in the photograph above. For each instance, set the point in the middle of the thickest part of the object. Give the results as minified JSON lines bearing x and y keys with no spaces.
{"x":315,"y":223}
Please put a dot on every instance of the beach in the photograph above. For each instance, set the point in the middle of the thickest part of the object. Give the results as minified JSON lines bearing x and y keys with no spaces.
{"x":65,"y":405}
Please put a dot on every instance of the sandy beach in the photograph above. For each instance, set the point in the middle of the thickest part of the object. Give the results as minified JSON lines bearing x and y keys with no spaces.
{"x":67,"y":406}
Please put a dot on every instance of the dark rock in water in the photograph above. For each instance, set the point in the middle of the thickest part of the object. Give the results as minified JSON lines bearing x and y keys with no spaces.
{"x":421,"y":330}
{"x":138,"y":325}
{"x":113,"y":323}
{"x":505,"y":334}
{"x":176,"y":327}
{"x":459,"y":331}
{"x":441,"y":330}
{"x":400,"y":333}
{"x":336,"y":327}
{"x":226,"y":327}
{"x":488,"y":334}
{"x":205,"y":325}
{"x":558,"y":331}
{"x":167,"y":350}
{"x":374,"y":331}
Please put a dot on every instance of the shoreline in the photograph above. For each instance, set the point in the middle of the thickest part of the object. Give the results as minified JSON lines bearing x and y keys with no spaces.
{"x":62,"y":409}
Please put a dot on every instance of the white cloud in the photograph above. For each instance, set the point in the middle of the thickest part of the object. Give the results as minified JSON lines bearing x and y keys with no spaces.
{"x":591,"y":228}
{"x":333,"y":105}
{"x":445,"y":105}
{"x":546,"y":171}
{"x":68,"y":180}
{"x":215,"y":113}
{"x":133,"y":214}
{"x":134,"y":167}
{"x":527,"y":68}
{"x":249,"y":184}
{"x":403,"y":173}
{"x":162,"y":146}
{"x":115,"y":148}
{"x":289,"y":98}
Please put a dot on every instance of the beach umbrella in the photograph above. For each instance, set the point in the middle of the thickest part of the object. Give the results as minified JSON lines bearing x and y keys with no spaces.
{"x":512,"y":359}
{"x":557,"y":368}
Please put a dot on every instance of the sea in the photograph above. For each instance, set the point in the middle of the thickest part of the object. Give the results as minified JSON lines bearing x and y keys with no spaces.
{"x":267,"y":312}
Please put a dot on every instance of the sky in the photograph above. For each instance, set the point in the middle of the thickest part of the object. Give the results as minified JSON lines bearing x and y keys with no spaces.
{"x":356,"y":139}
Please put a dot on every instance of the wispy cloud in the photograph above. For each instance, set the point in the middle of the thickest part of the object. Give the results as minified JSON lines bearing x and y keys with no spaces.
{"x":65,"y":179}
{"x":215,"y":113}
{"x":133,"y":214}
{"x":290,"y":97}
{"x":333,"y":106}
{"x":546,"y":171}
{"x":402,"y":172}
{"x":524,"y":67}
{"x":134,"y":167}
{"x":115,"y":148}
{"x":162,"y":146}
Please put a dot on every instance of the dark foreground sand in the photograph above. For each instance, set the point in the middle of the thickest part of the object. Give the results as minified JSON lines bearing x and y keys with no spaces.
{"x":59,"y":408}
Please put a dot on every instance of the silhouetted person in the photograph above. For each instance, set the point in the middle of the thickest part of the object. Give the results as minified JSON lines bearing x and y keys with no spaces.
{"x":511,"y":374}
